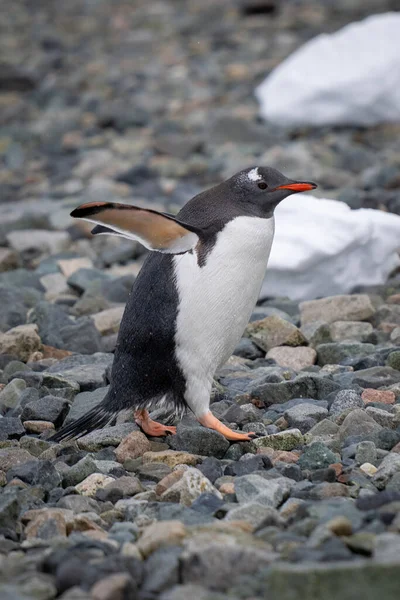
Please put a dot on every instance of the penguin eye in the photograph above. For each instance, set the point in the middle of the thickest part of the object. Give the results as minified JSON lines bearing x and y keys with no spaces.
{"x":262,"y":185}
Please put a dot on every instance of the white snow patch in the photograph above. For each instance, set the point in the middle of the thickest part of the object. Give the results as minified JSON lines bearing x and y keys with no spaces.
{"x":322,"y":247}
{"x":348,"y":77}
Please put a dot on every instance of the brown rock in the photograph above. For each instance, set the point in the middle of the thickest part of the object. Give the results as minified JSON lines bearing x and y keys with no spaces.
{"x":393,"y":299}
{"x":383,"y":396}
{"x":172,"y":458}
{"x":21,"y":341}
{"x":354,"y":307}
{"x":294,"y":358}
{"x":69,"y":266}
{"x":9,"y":260}
{"x":108,"y":321}
{"x":168,"y":481}
{"x":114,"y":587}
{"x":284,"y":456}
{"x":11,"y":457}
{"x":162,"y":533}
{"x":57,"y":353}
{"x":38,"y":426}
{"x":227,"y":488}
{"x":36,"y":519}
{"x":340,"y":526}
{"x":134,"y":445}
{"x":273,"y":331}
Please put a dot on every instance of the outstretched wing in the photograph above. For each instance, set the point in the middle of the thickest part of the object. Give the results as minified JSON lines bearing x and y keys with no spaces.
{"x":153,"y":229}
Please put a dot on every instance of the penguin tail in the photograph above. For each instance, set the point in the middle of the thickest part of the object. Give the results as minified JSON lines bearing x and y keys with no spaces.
{"x":96,"y":418}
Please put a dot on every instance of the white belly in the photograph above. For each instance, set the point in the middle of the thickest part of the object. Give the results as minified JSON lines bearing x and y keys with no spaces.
{"x":216,"y":300}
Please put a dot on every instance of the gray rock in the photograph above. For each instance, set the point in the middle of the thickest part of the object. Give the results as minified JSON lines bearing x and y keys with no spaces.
{"x":11,"y":428}
{"x":358,"y":423}
{"x":246,"y":349}
{"x":383,"y":417}
{"x":254,"y":513}
{"x":84,"y":402}
{"x":81,"y":336}
{"x":83,"y":278}
{"x":50,"y":319}
{"x":212,"y":563}
{"x":305,"y":385}
{"x":21,"y":278}
{"x":108,"y":436}
{"x":376,"y":377}
{"x":366,"y":452}
{"x":269,"y":492}
{"x":304,"y":416}
{"x":48,"y":408}
{"x":199,"y":440}
{"x":338,"y":352}
{"x":36,"y":473}
{"x":388,"y":467}
{"x":79,"y":504}
{"x":350,"y":330}
{"x":88,"y":371}
{"x":10,"y":396}
{"x":316,"y":456}
{"x":345,"y":400}
{"x":79,"y":471}
{"x":161,"y":570}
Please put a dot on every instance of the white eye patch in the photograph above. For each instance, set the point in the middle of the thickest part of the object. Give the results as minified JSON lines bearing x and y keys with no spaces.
{"x":254,"y":175}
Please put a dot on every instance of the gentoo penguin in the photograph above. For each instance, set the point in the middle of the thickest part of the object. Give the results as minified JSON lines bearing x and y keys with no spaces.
{"x":192,"y":299}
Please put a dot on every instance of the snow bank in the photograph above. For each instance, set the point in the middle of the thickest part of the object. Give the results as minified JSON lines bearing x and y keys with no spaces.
{"x":322,"y":247}
{"x":349,"y":77}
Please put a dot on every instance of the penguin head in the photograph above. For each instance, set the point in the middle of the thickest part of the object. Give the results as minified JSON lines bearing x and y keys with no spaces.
{"x":263,"y":188}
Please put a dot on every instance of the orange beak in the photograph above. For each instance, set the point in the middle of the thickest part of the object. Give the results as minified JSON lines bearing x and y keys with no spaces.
{"x":304,"y":186}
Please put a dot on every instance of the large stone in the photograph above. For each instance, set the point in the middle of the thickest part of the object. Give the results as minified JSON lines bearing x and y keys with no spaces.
{"x":134,"y":445}
{"x":48,"y":408}
{"x":84,"y":402}
{"x":92,"y":483}
{"x":350,"y":330}
{"x":274,"y":331}
{"x":304,"y":416}
{"x":108,"y":436}
{"x":211,"y":561}
{"x":157,"y":535}
{"x":305,"y":385}
{"x":11,"y":457}
{"x":108,"y":321}
{"x":11,"y":394}
{"x":284,"y":440}
{"x":316,"y":456}
{"x":355,"y":307}
{"x":376,"y":377}
{"x":200,"y":441}
{"x":363,"y":579}
{"x":172,"y":458}
{"x":21,"y":341}
{"x":269,"y":492}
{"x":388,"y":467}
{"x":345,"y":400}
{"x":339,"y":352}
{"x":358,"y":423}
{"x":35,"y":472}
{"x":39,"y":240}
{"x":294,"y":358}
{"x":189,"y":487}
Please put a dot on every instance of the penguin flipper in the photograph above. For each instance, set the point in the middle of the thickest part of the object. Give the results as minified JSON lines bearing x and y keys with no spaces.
{"x":155,"y":230}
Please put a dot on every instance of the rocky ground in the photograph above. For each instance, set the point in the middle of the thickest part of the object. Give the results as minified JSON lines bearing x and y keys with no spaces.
{"x":152,"y":102}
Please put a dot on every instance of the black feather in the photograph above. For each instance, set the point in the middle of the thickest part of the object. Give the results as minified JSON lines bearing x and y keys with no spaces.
{"x":96,"y":418}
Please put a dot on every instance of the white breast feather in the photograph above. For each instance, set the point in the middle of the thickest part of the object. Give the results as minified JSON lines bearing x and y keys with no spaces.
{"x":216,"y":301}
